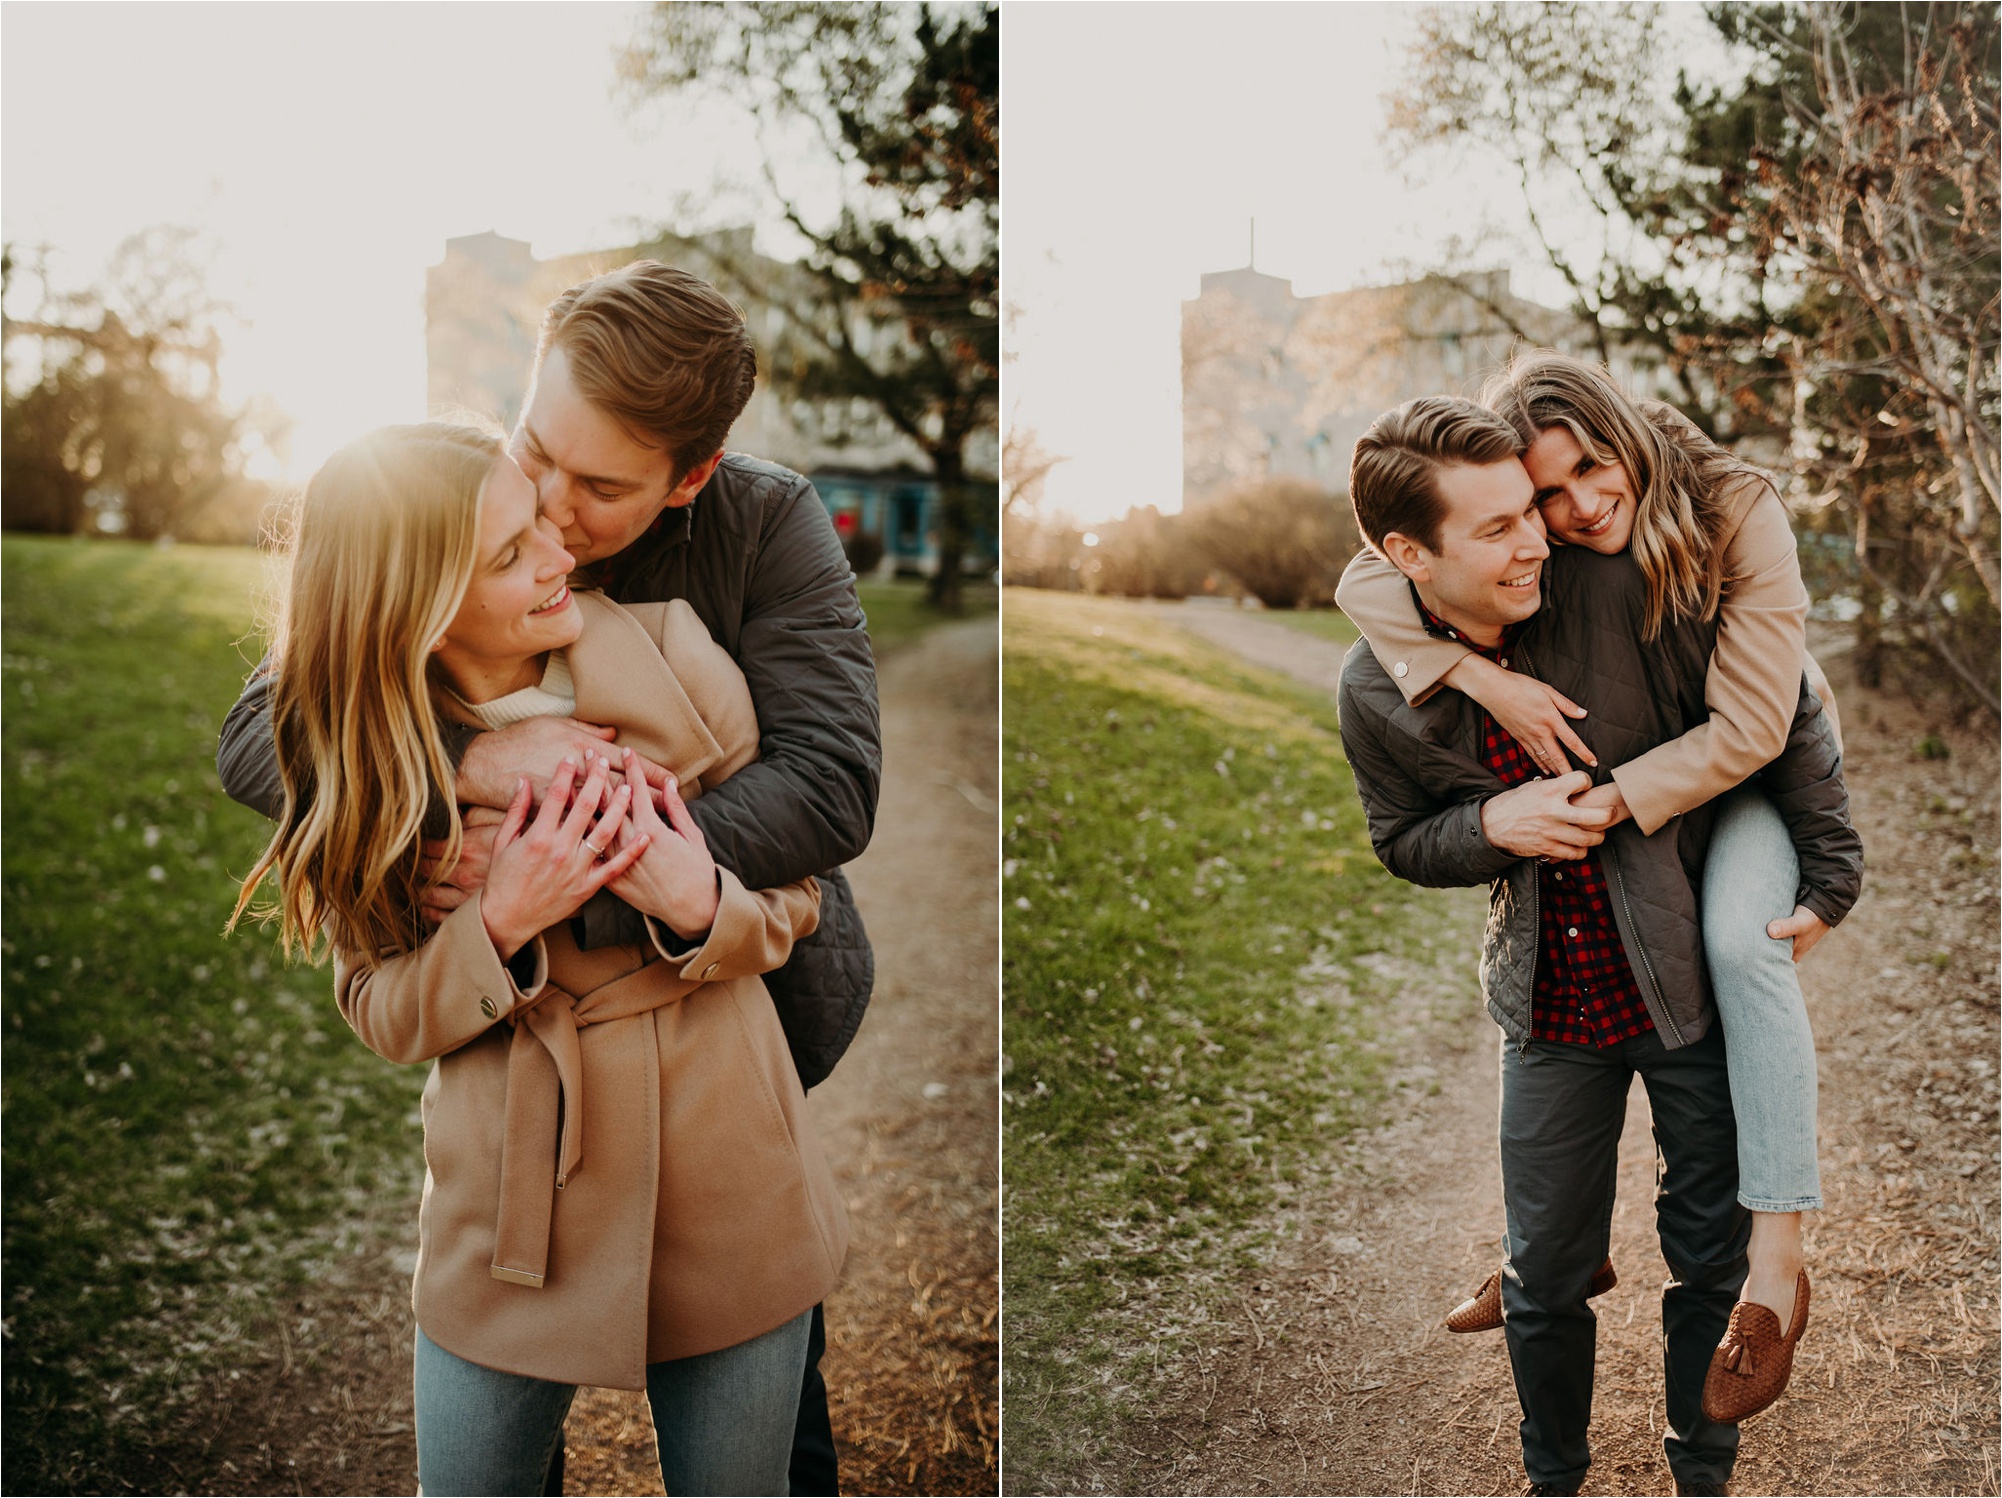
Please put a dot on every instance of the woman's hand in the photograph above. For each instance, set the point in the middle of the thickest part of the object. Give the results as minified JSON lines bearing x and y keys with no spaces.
{"x":1804,"y":926}
{"x":1534,"y":714}
{"x":544,"y":870}
{"x":676,"y":878}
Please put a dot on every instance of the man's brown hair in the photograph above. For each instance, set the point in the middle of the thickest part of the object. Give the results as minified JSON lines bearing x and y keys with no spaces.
{"x":1393,"y":478}
{"x":662,"y":352}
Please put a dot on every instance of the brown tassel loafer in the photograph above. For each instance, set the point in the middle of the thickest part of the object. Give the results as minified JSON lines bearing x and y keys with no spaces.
{"x":1482,"y":1311}
{"x":1751,"y":1366}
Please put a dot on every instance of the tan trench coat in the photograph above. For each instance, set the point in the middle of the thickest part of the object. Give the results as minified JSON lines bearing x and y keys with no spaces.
{"x":620,"y":1169}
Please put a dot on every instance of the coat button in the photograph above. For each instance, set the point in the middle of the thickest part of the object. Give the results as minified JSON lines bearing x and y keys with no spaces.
{"x":487,"y":1008}
{"x":1402,"y":669}
{"x":710,"y":971}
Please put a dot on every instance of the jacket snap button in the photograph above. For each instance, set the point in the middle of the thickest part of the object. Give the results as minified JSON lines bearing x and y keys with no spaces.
{"x":1402,"y":669}
{"x":710,"y":971}
{"x":487,"y":1008}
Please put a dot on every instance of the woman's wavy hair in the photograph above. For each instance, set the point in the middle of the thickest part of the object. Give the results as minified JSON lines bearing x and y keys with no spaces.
{"x":1682,"y":481}
{"x":383,"y":544}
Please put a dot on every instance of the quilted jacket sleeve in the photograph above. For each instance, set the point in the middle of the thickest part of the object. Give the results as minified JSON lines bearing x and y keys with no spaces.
{"x":809,"y":804}
{"x":1806,"y":786}
{"x":1417,"y":837}
{"x":246,"y":759}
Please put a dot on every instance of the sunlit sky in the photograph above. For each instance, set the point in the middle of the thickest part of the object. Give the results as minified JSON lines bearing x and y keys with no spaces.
{"x":327,"y":152}
{"x":1140,"y":141}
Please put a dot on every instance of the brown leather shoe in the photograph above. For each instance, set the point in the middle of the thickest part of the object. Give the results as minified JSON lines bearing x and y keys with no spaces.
{"x":1751,"y":1366}
{"x":1482,"y":1311}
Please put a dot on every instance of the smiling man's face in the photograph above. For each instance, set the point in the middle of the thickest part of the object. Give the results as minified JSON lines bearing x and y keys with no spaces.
{"x":599,"y":484}
{"x":1486,"y":570}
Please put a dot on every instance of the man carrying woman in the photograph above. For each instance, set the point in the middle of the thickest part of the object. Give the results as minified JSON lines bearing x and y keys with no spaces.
{"x":1594,"y":964}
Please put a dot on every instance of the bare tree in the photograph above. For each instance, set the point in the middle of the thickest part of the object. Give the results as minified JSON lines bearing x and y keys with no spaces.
{"x":1890,"y":214}
{"x":899,"y":305}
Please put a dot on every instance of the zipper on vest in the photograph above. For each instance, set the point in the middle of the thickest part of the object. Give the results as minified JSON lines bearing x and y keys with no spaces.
{"x":1535,"y":944}
{"x":1535,"y":914}
{"x":1662,"y":1017}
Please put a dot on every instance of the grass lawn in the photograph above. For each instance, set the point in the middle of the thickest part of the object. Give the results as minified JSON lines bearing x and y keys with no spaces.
{"x":189,"y":1126}
{"x":1193,"y":917}
{"x":190,"y":1129}
{"x":1328,"y":624}
{"x":897,"y":611}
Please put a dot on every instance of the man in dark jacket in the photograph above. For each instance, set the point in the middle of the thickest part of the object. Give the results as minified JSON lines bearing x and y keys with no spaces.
{"x":639,"y":375}
{"x":1592,"y":963}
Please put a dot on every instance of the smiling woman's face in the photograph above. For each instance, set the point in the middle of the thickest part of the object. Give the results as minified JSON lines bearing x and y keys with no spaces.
{"x":1584,"y":503}
{"x":517,"y":605}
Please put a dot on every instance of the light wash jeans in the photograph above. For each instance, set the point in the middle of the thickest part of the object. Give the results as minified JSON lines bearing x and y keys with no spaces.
{"x":1750,"y":877}
{"x":724,"y":1420}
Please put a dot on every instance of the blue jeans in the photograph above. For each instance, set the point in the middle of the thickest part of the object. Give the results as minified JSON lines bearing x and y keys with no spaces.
{"x":724,"y":1420}
{"x":1750,"y":877}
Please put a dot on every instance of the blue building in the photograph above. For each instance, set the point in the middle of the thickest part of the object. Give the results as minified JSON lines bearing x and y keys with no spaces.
{"x":897,"y":508}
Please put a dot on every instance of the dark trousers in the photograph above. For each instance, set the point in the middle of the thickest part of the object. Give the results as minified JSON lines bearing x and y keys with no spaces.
{"x":1562,"y":1107}
{"x":813,"y":1469}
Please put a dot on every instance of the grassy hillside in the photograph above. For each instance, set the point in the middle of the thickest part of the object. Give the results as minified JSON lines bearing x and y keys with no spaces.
{"x":1195,"y":927}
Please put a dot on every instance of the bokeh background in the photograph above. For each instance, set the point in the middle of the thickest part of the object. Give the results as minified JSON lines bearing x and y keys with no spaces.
{"x":236,"y":237}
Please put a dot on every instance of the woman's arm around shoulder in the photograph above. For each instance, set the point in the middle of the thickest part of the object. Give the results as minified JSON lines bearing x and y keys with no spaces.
{"x":1377,"y":599}
{"x":1753,"y":683}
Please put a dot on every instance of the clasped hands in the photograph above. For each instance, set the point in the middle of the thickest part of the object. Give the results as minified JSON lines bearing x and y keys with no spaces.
{"x":604,"y":819}
{"x":1566,"y":816}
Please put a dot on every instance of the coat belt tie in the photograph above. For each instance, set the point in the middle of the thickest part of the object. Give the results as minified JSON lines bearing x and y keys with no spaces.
{"x":545,"y":1098}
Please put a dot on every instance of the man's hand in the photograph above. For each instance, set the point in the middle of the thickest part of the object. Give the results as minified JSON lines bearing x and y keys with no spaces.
{"x":478,"y":824}
{"x":1534,"y":713}
{"x":531,"y":750}
{"x":1540,"y":820}
{"x":676,"y":879}
{"x":1804,"y":926}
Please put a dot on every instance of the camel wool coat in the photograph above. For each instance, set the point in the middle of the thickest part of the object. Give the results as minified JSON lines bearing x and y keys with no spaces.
{"x":619,"y":1165}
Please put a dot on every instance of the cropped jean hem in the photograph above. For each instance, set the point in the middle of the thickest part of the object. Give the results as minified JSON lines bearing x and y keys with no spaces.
{"x":1803,"y":1204}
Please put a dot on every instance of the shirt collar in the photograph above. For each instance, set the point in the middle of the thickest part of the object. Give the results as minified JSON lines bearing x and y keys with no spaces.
{"x":1434,"y":625}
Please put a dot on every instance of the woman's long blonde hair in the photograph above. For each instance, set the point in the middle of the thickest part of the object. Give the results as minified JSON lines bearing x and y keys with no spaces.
{"x":384,"y":543}
{"x":1683,"y":482}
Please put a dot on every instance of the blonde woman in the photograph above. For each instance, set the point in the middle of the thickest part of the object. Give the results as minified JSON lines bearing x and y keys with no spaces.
{"x":1711,"y":536}
{"x":623,"y":1188}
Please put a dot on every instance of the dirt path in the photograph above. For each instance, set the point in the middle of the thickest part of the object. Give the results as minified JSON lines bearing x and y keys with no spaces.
{"x":908,"y":1119}
{"x":1334,"y":1375}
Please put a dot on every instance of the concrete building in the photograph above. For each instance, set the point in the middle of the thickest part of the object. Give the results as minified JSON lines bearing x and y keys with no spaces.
{"x":483,"y":305}
{"x":1284,"y":385}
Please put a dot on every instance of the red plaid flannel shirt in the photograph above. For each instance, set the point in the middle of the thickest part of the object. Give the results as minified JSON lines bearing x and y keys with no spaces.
{"x":1585,"y":993}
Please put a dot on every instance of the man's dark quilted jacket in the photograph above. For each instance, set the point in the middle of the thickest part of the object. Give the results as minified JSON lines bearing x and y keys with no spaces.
{"x":1419,"y":772}
{"x":757,"y":558}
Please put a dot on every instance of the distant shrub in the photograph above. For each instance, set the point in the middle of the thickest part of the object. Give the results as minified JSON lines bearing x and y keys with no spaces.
{"x":1285,"y":539}
{"x":1148,"y":555}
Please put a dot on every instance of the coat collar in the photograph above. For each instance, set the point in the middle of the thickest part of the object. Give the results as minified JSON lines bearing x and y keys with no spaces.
{"x":622,"y":679}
